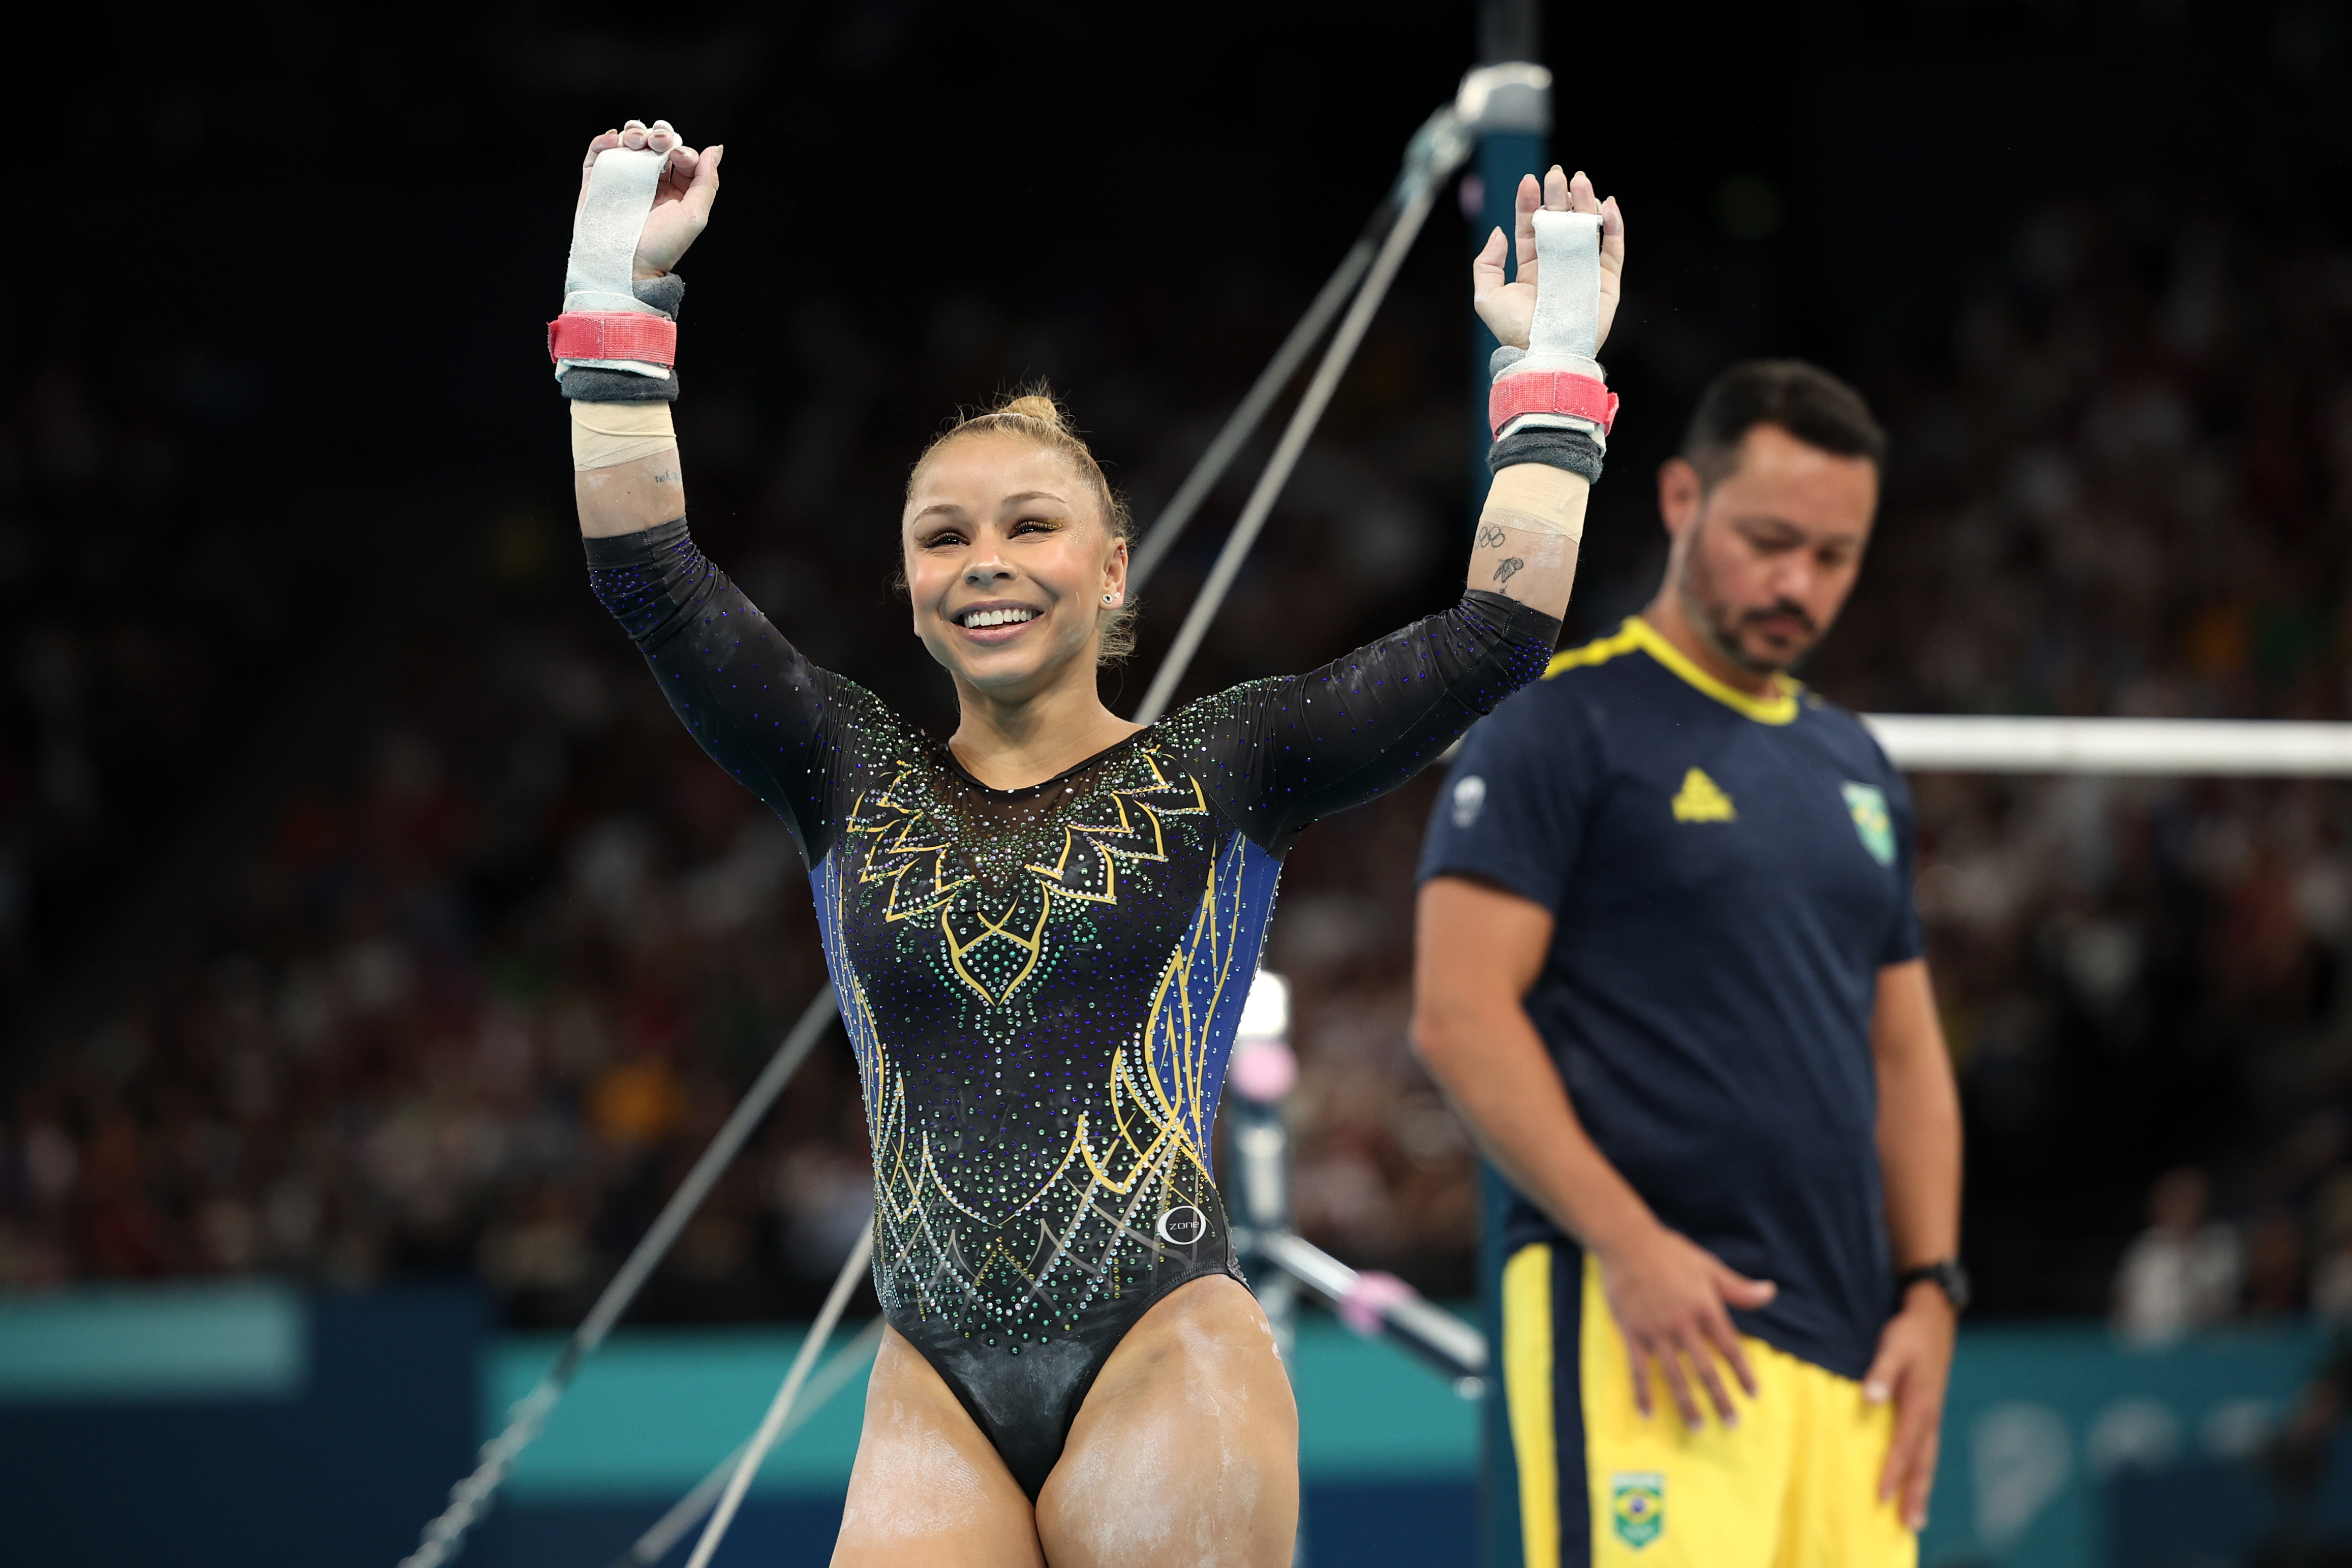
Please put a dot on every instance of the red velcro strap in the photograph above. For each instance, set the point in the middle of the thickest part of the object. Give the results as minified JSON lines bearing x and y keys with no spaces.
{"x":1550,"y":391}
{"x":612,"y":335}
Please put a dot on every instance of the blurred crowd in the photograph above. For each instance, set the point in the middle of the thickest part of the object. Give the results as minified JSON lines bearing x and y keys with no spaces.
{"x":138,"y":608}
{"x":497,"y":969}
{"x":470,"y":1007}
{"x":2125,"y":487}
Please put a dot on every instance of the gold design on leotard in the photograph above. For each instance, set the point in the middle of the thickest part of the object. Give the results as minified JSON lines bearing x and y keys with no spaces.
{"x":891,"y":826}
{"x":1144,"y":1156}
{"x":1137,"y":832}
{"x":1104,"y":837}
{"x":1034,"y":945}
{"x":1176,"y":1032}
{"x":1148,"y":1152}
{"x":1154,"y":1114}
{"x":948,"y":1236}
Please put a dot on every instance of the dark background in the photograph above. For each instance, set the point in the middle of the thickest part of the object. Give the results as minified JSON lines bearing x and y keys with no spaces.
{"x":363,"y":914}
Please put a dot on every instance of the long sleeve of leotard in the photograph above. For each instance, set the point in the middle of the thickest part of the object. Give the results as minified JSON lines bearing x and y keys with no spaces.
{"x":783,"y":726}
{"x":1278,"y":754}
{"x":1274,"y":755}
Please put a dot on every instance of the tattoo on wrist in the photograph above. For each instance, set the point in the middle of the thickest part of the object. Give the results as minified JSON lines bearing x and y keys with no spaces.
{"x":1509,"y":569}
{"x":665,"y":477}
{"x":1490,"y":536}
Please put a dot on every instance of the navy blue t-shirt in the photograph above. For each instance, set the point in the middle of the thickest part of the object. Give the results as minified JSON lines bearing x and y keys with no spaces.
{"x":1728,"y":874}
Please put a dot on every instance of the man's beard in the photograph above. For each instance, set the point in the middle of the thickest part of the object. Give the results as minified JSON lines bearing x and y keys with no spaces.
{"x":1721,"y":628}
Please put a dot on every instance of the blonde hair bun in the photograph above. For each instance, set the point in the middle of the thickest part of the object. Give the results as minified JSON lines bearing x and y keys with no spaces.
{"x":1039,"y":406}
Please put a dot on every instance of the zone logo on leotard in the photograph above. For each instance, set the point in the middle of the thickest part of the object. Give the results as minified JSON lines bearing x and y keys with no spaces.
{"x":1182,"y":1226}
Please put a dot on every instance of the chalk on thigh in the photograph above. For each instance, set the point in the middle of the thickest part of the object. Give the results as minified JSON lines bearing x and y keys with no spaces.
{"x":1186,"y":1450}
{"x":927,"y":1480}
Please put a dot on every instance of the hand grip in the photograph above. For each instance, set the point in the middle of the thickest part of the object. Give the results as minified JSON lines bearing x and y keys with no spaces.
{"x":621,"y":185}
{"x":1567,"y":287}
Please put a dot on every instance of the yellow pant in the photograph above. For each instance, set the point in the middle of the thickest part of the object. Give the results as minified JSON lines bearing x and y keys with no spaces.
{"x":1794,"y":1485}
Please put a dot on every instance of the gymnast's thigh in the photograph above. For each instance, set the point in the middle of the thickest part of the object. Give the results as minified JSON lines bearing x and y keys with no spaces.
{"x":1186,"y":1449}
{"x":928,"y":1489}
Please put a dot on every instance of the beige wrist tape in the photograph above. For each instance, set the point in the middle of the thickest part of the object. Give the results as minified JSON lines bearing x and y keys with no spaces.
{"x":1535,"y":497}
{"x":606,"y":434}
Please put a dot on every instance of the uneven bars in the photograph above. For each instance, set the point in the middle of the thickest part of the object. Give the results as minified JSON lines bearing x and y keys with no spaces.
{"x":2278,"y":748}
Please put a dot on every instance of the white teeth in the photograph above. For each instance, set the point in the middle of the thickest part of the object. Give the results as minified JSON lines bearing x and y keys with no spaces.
{"x":998,"y":617}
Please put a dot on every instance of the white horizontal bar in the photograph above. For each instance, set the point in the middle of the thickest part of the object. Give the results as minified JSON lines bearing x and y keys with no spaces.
{"x":1940,"y":743}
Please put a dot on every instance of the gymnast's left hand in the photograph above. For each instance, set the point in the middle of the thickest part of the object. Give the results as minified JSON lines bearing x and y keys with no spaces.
{"x":1509,"y":309}
{"x":689,"y":185}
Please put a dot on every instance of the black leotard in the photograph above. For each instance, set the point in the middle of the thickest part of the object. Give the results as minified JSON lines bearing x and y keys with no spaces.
{"x":1042,"y":984}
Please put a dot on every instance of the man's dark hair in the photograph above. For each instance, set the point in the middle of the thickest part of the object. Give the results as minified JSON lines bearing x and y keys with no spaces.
{"x":1804,"y":400}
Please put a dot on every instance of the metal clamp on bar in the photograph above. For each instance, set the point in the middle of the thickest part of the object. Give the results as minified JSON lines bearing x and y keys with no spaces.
{"x":1509,"y":98}
{"x":1443,"y":144}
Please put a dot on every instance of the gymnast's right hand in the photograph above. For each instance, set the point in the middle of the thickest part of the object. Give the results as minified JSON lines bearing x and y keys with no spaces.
{"x":689,"y":185}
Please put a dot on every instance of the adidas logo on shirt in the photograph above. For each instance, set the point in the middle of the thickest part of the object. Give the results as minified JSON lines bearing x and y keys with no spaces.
{"x":1702,"y":800}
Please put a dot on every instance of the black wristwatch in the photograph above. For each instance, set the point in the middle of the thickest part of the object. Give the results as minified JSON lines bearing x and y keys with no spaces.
{"x":1948,"y":1277}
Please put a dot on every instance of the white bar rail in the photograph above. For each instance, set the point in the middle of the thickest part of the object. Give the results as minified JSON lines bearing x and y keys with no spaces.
{"x":1941,"y":743}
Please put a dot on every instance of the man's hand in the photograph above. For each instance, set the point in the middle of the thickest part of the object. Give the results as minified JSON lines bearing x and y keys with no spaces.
{"x":1912,"y":1365}
{"x":1671,"y":1298}
{"x":689,"y":185}
{"x":1509,"y":309}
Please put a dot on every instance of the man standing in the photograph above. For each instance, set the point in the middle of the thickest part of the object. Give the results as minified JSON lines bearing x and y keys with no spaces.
{"x":1669,"y":972}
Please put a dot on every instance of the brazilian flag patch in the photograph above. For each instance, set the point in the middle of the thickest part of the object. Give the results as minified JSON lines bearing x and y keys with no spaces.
{"x":1637,"y":1506}
{"x":1877,"y":829}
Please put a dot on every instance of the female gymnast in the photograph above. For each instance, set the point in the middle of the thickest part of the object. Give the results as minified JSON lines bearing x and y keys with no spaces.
{"x":1042,"y":930}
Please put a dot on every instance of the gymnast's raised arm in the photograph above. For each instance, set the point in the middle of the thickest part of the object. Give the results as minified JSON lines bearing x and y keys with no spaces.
{"x":783,"y":726}
{"x":1278,"y":754}
{"x":627,"y":476}
{"x":1544,"y":459}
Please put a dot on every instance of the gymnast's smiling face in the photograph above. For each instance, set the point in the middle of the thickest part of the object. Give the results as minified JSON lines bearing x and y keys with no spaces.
{"x":1008,"y":565}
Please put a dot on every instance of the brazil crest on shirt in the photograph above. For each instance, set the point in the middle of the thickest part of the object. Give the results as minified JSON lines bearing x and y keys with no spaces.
{"x":1638,"y":1506}
{"x":1727,"y":875}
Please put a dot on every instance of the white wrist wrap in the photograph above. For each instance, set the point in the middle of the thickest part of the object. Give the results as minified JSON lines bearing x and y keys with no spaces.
{"x":1536,"y":499}
{"x":606,"y":435}
{"x":621,"y":185}
{"x":1557,"y":383}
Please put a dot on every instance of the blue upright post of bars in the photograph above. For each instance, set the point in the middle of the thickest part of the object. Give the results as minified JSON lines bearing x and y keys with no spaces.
{"x":1508,"y":30}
